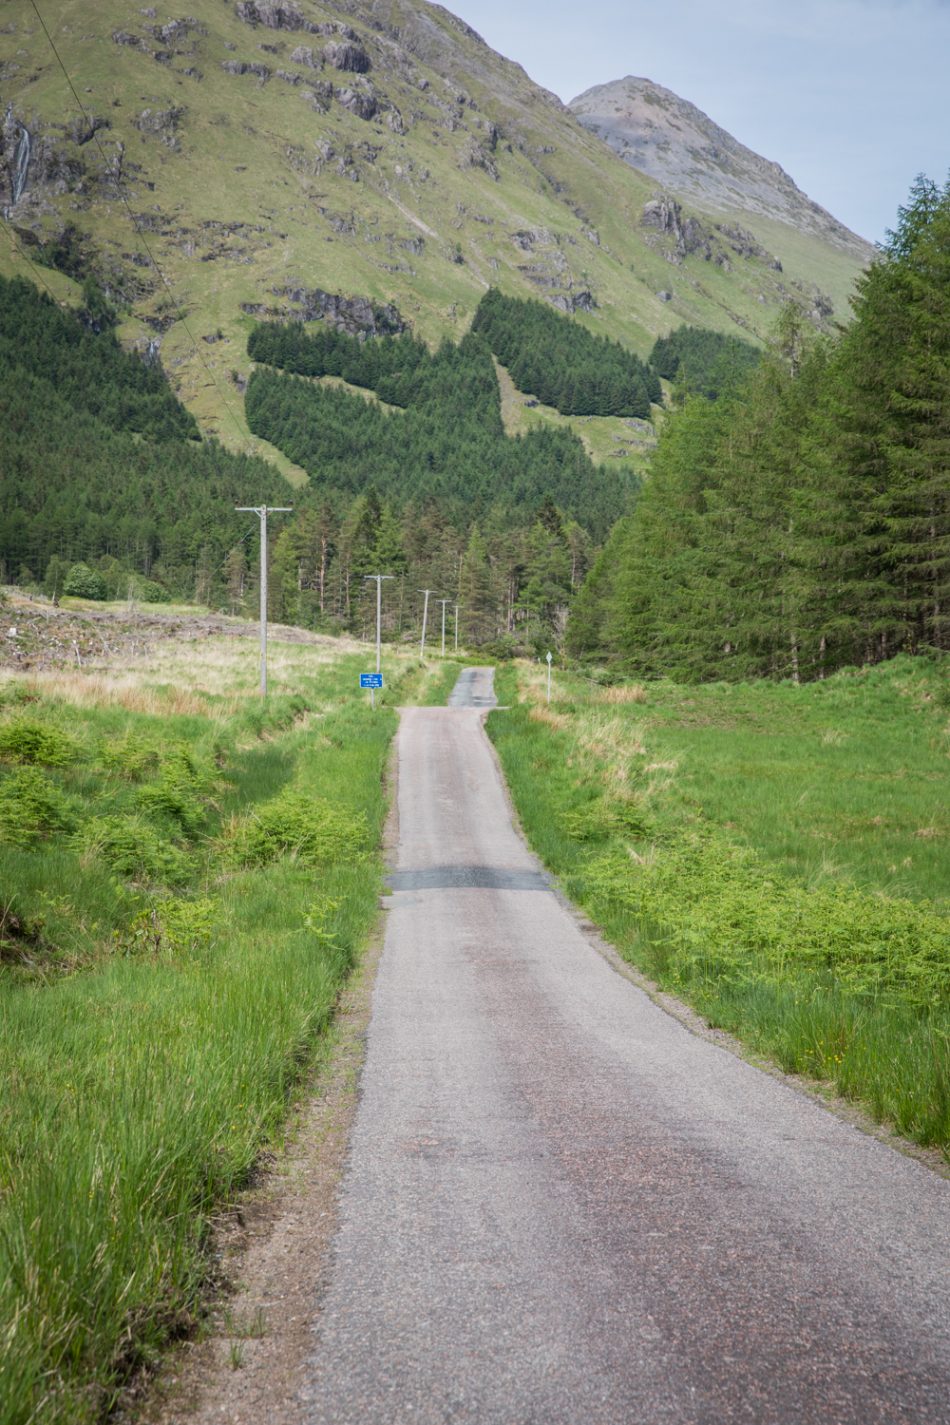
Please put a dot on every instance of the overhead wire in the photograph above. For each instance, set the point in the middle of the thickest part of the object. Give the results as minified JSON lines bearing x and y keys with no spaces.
{"x":26,"y":256}
{"x":141,"y":236}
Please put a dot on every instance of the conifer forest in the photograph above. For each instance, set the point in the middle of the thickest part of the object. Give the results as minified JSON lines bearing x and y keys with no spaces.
{"x":801,"y":522}
{"x":795,"y":517}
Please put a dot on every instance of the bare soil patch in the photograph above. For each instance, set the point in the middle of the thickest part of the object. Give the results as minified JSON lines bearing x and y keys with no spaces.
{"x":38,"y":636}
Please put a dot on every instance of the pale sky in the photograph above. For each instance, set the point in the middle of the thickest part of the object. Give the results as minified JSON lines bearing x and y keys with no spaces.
{"x":851,"y":97}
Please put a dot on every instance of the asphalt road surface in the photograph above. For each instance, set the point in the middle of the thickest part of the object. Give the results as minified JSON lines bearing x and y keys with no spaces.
{"x":562,"y":1206}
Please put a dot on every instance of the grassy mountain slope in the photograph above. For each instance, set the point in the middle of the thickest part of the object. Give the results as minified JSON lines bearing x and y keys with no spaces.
{"x":605,"y":438}
{"x":253,"y":186}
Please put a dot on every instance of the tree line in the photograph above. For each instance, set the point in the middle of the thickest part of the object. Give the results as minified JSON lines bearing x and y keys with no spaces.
{"x":554,"y":358}
{"x":441,"y":439}
{"x":105,"y":494}
{"x":77,"y":354}
{"x":424,"y":484}
{"x":703,"y":362}
{"x":801,"y":523}
{"x":98,"y":463}
{"x":513,"y":583}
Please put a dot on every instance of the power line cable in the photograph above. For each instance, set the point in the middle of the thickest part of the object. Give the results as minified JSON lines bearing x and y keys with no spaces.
{"x":135,"y":223}
{"x":26,"y":257}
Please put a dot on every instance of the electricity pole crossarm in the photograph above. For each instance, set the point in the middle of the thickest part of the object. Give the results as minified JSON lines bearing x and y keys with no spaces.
{"x":262,"y":511}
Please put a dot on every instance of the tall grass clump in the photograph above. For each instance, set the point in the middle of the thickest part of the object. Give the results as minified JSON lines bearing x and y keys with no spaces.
{"x":308,"y":829}
{"x":832,"y":975}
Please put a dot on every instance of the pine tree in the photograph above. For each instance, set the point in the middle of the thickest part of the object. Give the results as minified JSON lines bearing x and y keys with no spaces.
{"x":478,"y":616}
{"x":235,"y":569}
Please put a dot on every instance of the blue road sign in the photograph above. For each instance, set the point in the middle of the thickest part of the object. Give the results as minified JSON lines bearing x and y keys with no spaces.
{"x":371,"y":680}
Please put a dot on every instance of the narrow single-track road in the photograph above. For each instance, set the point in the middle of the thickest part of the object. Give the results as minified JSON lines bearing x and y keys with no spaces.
{"x":562,"y":1206}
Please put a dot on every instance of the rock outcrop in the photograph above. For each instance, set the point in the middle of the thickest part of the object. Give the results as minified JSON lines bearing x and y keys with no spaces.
{"x":241,"y":66}
{"x":665,"y":216}
{"x":16,"y":147}
{"x":361,"y":102}
{"x":272,"y":14}
{"x":356,"y":315}
{"x":163,"y":123}
{"x":688,"y":236}
{"x":347,"y":55}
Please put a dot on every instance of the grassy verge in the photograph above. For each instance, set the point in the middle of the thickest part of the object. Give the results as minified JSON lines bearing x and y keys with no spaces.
{"x":682,"y":820}
{"x":442,"y":681}
{"x":188,"y":879}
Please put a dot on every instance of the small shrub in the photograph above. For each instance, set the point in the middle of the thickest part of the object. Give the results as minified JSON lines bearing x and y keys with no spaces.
{"x":296,"y":825}
{"x":131,"y":757}
{"x":132,"y":848}
{"x":317,"y":921}
{"x":16,"y":695}
{"x":172,"y":927}
{"x":32,"y":808}
{"x":182,"y":791}
{"x":21,"y":937}
{"x":85,"y":583}
{"x":587,"y":823}
{"x":502,"y":648}
{"x":148,"y":591}
{"x":600,"y":819}
{"x":23,"y":740}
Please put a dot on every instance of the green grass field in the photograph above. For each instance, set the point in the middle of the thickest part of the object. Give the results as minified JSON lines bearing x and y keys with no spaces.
{"x":777,"y":856}
{"x":189,"y":878}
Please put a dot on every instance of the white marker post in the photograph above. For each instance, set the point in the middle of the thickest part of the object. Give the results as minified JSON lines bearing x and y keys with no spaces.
{"x":549,"y":658}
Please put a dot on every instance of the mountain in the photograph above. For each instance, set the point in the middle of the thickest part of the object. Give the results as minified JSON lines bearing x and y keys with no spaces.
{"x":685,"y":152}
{"x":369,"y":162}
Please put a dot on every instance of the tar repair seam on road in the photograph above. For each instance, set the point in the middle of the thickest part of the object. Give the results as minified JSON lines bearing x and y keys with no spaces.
{"x":562,"y":1208}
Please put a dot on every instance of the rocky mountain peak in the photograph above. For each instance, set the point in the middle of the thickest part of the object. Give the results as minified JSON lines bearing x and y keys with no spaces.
{"x":679,"y":146}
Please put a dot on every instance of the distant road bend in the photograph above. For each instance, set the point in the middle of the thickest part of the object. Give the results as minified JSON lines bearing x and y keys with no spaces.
{"x":562,"y":1208}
